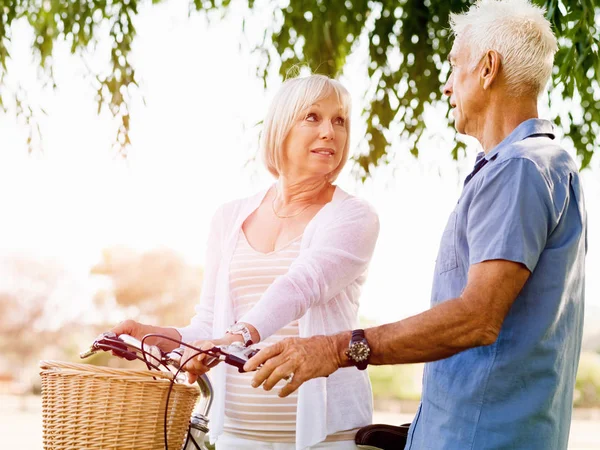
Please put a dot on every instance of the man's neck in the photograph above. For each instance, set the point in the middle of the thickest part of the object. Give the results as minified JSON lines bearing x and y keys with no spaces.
{"x":499,"y":121}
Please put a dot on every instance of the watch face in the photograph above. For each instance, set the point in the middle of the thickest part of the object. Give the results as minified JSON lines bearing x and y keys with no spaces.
{"x":243,"y":331}
{"x":359,"y":351}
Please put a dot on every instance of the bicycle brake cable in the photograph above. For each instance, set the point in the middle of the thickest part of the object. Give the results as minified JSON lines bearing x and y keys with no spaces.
{"x":119,"y":349}
{"x":172,"y":380}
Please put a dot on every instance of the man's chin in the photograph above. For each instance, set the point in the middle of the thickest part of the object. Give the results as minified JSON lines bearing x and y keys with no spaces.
{"x":459,"y":126}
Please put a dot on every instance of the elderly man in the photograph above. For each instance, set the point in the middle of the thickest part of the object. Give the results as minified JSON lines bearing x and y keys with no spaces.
{"x":503,"y":336}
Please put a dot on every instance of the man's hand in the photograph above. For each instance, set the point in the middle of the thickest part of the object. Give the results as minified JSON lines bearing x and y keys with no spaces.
{"x":303,"y":358}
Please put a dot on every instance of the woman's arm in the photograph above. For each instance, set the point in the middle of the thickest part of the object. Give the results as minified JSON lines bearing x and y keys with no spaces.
{"x":339,"y":253}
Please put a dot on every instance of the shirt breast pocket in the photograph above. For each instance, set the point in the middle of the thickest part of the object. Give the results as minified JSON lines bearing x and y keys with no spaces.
{"x":447,"y":259}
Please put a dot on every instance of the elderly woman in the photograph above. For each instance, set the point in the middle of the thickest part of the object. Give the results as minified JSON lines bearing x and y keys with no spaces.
{"x":287,"y":261}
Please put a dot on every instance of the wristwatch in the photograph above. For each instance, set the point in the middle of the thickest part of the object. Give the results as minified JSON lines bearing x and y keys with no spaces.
{"x":242,"y":330}
{"x":358,"y":350}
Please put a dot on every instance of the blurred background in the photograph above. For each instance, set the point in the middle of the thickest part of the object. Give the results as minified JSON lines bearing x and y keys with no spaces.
{"x":124,"y":125}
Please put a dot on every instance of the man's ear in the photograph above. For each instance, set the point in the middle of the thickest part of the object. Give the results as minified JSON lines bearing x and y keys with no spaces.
{"x":490,"y":68}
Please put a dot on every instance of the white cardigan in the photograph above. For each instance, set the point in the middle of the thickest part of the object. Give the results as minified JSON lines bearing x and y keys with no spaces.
{"x":321,"y":289}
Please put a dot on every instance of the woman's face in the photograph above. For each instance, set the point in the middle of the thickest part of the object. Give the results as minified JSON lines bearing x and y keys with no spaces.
{"x":315,"y":143}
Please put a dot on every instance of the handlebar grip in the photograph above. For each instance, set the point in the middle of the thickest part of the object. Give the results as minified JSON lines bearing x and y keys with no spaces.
{"x":152,"y":351}
{"x":123,"y":352}
{"x":236,"y":361}
{"x":239,"y":361}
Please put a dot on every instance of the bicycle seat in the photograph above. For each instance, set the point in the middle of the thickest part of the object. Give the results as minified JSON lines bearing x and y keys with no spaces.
{"x":383,"y":437}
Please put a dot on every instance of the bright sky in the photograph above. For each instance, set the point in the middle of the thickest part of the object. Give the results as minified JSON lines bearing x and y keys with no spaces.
{"x":192,"y":140}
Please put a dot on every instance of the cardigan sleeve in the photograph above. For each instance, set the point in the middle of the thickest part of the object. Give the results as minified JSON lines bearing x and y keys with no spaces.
{"x":201,"y":325}
{"x":339,"y":252}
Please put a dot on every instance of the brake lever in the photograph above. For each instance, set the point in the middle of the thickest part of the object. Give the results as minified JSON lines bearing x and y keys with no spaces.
{"x":174,"y":356}
{"x":123,"y":346}
{"x":237,"y":355}
{"x":107,"y":341}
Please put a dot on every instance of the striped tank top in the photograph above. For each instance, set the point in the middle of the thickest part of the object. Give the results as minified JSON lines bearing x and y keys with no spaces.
{"x":255,"y":413}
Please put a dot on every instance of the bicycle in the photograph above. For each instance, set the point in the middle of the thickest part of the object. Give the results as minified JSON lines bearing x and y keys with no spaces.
{"x":130,"y":348}
{"x":378,"y":436}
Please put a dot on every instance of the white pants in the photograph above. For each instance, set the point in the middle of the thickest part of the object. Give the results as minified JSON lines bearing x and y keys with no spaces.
{"x":229,"y":441}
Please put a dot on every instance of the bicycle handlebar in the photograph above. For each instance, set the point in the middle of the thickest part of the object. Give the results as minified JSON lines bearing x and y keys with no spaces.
{"x":130,"y":348}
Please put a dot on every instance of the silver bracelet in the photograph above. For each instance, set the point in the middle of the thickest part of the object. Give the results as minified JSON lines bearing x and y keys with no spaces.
{"x":242,"y":330}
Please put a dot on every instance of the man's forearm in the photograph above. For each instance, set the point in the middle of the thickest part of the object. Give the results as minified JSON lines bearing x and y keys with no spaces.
{"x":472,"y":320}
{"x":438,"y":333}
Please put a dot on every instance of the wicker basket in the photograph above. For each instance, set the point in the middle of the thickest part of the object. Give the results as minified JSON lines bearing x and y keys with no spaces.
{"x":99,"y":408}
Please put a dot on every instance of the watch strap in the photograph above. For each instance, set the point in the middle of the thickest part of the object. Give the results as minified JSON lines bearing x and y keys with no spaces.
{"x":358,"y":340}
{"x":357,"y":335}
{"x":242,"y":330}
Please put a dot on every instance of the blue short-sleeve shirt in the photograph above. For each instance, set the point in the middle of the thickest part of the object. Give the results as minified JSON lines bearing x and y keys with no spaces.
{"x":524,"y":204}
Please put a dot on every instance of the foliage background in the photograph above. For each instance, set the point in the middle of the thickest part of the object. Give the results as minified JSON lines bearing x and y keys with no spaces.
{"x":38,"y":285}
{"x":408,"y":41}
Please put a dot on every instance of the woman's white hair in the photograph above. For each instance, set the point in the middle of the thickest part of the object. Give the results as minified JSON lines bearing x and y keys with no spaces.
{"x":519,"y":32}
{"x":291,"y":101}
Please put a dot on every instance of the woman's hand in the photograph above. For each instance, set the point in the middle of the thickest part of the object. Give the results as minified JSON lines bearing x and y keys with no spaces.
{"x":198,"y":364}
{"x":139,"y":330}
{"x":132,"y":328}
{"x":202,"y":363}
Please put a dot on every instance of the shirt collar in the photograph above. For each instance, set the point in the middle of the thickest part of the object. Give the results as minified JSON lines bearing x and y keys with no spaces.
{"x":529,"y":128}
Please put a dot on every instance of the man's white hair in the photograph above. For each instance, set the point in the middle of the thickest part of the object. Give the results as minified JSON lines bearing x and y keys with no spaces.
{"x":519,"y":32}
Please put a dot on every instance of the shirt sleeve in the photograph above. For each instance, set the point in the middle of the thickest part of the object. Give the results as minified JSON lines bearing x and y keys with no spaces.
{"x":338,"y":254}
{"x":511,"y":215}
{"x":201,"y":325}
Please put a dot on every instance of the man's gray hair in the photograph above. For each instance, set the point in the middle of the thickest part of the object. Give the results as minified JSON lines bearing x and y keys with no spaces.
{"x":519,"y":32}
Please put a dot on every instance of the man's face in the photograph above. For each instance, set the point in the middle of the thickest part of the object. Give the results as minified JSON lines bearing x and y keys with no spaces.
{"x":464,"y":89}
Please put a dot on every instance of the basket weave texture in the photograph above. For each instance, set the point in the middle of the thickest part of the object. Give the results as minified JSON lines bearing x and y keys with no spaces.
{"x":100,"y":408}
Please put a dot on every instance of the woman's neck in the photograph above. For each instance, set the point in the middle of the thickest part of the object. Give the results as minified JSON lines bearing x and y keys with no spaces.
{"x":289,"y":191}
